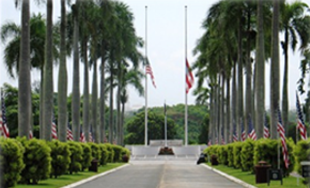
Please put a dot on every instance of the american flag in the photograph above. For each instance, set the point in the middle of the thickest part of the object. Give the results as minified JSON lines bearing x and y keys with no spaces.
{"x":252,"y":133}
{"x":282,"y":135}
{"x":235,"y":135}
{"x":69,"y":134}
{"x":54,"y":129}
{"x":3,"y":123}
{"x":300,"y":122}
{"x":148,"y":70}
{"x":82,"y":136}
{"x":91,"y":134}
{"x":266,"y":129}
{"x":210,"y":142}
{"x":189,"y":77}
{"x":243,"y":133}
{"x":30,"y":134}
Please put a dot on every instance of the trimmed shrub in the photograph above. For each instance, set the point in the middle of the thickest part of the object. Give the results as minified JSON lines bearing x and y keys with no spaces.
{"x":11,"y":162}
{"x":247,"y":156}
{"x":125,"y":155}
{"x":222,"y":155}
{"x":302,"y":153}
{"x":37,"y":158}
{"x":111,"y":152}
{"x":237,"y":147}
{"x":95,"y":151}
{"x":87,"y":156}
{"x":104,"y":154}
{"x":117,"y":153}
{"x":60,"y":154}
{"x":290,"y":147}
{"x":212,"y":150}
{"x":230,"y":154}
{"x":76,"y":157}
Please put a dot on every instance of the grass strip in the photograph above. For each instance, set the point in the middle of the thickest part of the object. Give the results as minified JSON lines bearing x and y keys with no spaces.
{"x":69,"y":179}
{"x":289,"y":182}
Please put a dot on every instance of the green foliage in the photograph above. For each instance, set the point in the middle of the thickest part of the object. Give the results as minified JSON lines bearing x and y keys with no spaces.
{"x":222,"y":155}
{"x":95,"y":150}
{"x":247,"y":155}
{"x":111,"y":152}
{"x":302,"y":153}
{"x":211,"y":150}
{"x":266,"y":150}
{"x":237,"y":147}
{"x":76,"y":157}
{"x":37,"y":158}
{"x":118,"y":153}
{"x":11,"y":162}
{"x":135,"y":128}
{"x":126,"y":152}
{"x":203,"y":136}
{"x":230,"y":154}
{"x":87,"y":155}
{"x":104,"y":154}
{"x":60,"y":154}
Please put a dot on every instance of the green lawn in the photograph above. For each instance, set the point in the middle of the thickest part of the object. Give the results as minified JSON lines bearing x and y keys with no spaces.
{"x":69,"y":179}
{"x":249,"y":178}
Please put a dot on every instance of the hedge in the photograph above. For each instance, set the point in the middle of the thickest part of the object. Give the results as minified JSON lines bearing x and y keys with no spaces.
{"x":76,"y":157}
{"x":95,"y":150}
{"x":247,"y":155}
{"x":230,"y":154}
{"x":104,"y":154}
{"x":87,"y":156}
{"x":117,"y":153}
{"x":11,"y":162}
{"x":222,"y":155}
{"x":111,"y":152}
{"x":237,"y":147}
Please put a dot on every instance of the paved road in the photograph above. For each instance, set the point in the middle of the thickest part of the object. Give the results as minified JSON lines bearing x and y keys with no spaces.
{"x":162,"y":174}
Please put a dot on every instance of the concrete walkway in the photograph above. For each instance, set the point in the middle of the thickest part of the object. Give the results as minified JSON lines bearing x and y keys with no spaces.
{"x":162,"y":174}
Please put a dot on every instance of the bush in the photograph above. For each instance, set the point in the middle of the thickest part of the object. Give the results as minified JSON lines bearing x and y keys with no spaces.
{"x":104,"y":154}
{"x":290,"y":147}
{"x":95,"y":150}
{"x":247,"y":155}
{"x":60,"y":154}
{"x":117,"y":153}
{"x":222,"y":155}
{"x":302,"y":153}
{"x":230,"y":154}
{"x":37,"y":158}
{"x":76,"y":157}
{"x":237,"y":147}
{"x":11,"y":162}
{"x":126,"y":155}
{"x":111,"y":152}
{"x":87,"y":156}
{"x":266,"y":150}
{"x":211,"y":150}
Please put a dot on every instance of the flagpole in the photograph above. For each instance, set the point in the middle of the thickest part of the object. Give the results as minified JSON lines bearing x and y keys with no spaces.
{"x":145,"y":92}
{"x":165,"y":108}
{"x":186,"y":141}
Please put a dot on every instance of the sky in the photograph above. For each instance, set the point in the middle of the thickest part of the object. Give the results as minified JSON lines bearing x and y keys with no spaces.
{"x":165,"y":48}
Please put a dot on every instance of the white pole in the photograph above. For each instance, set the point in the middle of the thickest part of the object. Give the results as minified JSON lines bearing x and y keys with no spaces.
{"x":145,"y":92}
{"x":166,"y":145}
{"x":186,"y":142}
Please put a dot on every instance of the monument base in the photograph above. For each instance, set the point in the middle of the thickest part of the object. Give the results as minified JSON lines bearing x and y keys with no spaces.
{"x":165,"y":151}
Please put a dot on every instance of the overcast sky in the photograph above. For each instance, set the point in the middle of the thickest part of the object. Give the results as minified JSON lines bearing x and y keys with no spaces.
{"x":166,"y":48}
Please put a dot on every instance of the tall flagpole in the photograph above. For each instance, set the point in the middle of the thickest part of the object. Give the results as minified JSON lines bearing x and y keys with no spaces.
{"x":145,"y":92}
{"x":186,"y":142}
{"x":165,"y":109}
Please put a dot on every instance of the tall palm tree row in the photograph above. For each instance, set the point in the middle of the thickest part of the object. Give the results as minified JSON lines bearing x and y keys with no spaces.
{"x":233,"y":31}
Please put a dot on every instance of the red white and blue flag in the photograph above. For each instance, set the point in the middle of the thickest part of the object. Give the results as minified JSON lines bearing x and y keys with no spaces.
{"x":148,"y":70}
{"x":30,"y":134}
{"x":189,"y":77}
{"x":82,"y":136}
{"x":210,"y":142}
{"x":252,"y":133}
{"x":266,"y":129}
{"x":235,"y":135}
{"x":300,"y":121}
{"x":281,"y":131}
{"x":69,"y":133}
{"x":54,"y":129}
{"x":243,"y":133}
{"x":4,"y":130}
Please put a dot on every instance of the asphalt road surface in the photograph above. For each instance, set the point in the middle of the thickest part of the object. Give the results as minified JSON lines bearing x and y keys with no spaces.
{"x":164,"y":173}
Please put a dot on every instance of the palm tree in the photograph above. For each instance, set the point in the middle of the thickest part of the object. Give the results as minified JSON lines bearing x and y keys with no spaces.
{"x":293,"y":23}
{"x":24,"y":80}
{"x":274,"y":71}
{"x":62,"y":78}
{"x":48,"y":75}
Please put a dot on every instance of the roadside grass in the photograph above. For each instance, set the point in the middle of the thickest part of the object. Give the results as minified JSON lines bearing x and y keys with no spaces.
{"x":69,"y":179}
{"x":290,"y":182}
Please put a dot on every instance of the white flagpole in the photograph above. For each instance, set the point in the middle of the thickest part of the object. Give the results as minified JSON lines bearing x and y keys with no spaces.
{"x":145,"y":92}
{"x":165,"y":108}
{"x":186,"y":142}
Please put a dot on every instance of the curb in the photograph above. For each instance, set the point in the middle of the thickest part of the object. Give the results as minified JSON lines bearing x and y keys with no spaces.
{"x":229,"y":177}
{"x":94,"y":177}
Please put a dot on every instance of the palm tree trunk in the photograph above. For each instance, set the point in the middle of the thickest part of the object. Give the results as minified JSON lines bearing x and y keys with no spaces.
{"x":24,"y":80}
{"x":94,"y":103}
{"x":122,"y":125}
{"x":118,"y":103}
{"x":48,"y":74}
{"x":240,"y":77}
{"x":111,"y":106}
{"x":274,"y":71}
{"x":102,"y":95}
{"x":62,"y":78}
{"x":260,"y":73}
{"x":86,"y":91}
{"x":248,"y":104}
{"x":228,"y":135}
{"x":76,"y":78}
{"x":41,"y":103}
{"x":222,"y":106}
{"x":211,"y":126}
{"x":234,"y":99}
{"x":285,"y":99}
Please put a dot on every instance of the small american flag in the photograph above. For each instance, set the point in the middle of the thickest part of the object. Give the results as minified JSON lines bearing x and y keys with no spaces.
{"x":82,"y":136}
{"x":148,"y":70}
{"x":282,"y":135}
{"x":30,"y":134}
{"x":235,"y":135}
{"x":3,"y":122}
{"x":69,"y":134}
{"x":243,"y":133}
{"x":252,"y":133}
{"x":54,"y":129}
{"x":300,"y":121}
{"x":189,"y":77}
{"x":266,"y":129}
